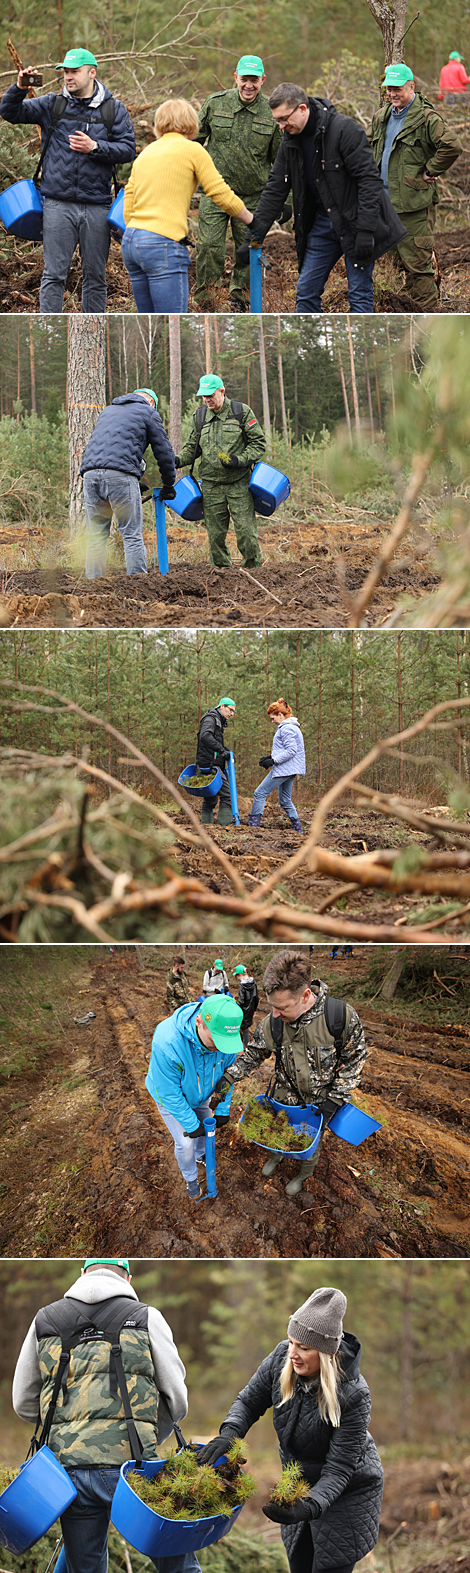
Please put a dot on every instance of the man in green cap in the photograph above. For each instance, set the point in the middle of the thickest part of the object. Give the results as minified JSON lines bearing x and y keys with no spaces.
{"x":212,"y":755}
{"x":453,"y":80}
{"x":238,"y":130}
{"x":412,"y":146}
{"x":85,"y":132}
{"x":112,"y":466}
{"x":229,"y":441}
{"x":190,"y":1053}
{"x":215,"y":980}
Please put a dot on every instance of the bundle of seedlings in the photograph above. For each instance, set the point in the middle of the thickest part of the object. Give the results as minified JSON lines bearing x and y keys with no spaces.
{"x":261,"y":1124}
{"x":6,"y":1476}
{"x":184,"y":1489}
{"x":291,"y":1487}
{"x":202,"y":778}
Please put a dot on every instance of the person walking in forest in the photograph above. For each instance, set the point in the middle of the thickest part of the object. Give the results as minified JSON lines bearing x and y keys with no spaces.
{"x":248,"y":998}
{"x":85,"y":132}
{"x":453,"y":80}
{"x":177,"y":992}
{"x":227,"y":437}
{"x":112,"y":465}
{"x":190,"y":1054}
{"x":215,"y":979}
{"x":91,"y":1435}
{"x":285,"y":762}
{"x":237,"y":128}
{"x":211,"y":755}
{"x":340,"y":205}
{"x":413,"y":145}
{"x":156,"y":206}
{"x":321,"y":1413}
{"x":319,"y":1057}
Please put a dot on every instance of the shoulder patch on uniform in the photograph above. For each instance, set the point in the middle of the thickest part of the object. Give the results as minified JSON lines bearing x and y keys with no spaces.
{"x":251,"y":423}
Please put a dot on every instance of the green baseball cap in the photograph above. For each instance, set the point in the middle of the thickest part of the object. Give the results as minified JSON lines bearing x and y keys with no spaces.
{"x":455,"y":56}
{"x":78,"y":57}
{"x":396,"y":76}
{"x":208,"y":385}
{"x":250,"y":65}
{"x":241,"y":968}
{"x":108,"y":1261}
{"x":150,"y":392}
{"x":223,"y":1018}
{"x":219,"y":964}
{"x":226,"y":702}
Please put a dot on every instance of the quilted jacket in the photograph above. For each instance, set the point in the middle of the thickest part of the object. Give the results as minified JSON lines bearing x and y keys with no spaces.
{"x":122,"y":433}
{"x":68,"y":176}
{"x":341,"y":1462}
{"x":287,"y":749}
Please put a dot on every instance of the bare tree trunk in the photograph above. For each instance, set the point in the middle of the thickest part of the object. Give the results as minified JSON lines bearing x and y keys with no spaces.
{"x":285,"y":432}
{"x":32,"y":368}
{"x":406,"y":1354}
{"x":264,"y":382}
{"x":175,"y":382}
{"x":343,"y":386}
{"x":400,"y":709}
{"x":390,"y":16}
{"x":207,"y":341}
{"x":86,"y":383}
{"x":393,"y":977}
{"x":353,"y":380}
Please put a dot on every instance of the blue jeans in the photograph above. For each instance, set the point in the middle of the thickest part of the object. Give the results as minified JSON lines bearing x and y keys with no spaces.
{"x":323,"y":250}
{"x":85,"y":1527}
{"x":284,"y":786}
{"x":108,"y":492}
{"x":68,"y":225}
{"x":158,"y":270}
{"x":187,"y":1149}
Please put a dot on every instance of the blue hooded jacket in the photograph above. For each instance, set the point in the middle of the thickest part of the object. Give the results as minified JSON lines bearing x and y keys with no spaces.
{"x":68,"y":176}
{"x":122,"y":433}
{"x":182,"y":1072}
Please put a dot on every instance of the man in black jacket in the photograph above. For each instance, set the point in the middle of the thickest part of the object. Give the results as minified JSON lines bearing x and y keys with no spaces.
{"x":211,"y":755}
{"x":340,"y":204}
{"x":112,"y":465}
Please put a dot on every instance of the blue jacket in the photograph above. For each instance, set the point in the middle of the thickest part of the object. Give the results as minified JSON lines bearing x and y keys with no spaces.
{"x":68,"y":176}
{"x":122,"y":433}
{"x":287,"y":749}
{"x":182,"y":1072}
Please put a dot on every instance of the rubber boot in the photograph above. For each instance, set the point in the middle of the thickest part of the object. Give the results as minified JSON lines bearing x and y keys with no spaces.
{"x":207,"y":813}
{"x":296,"y":825}
{"x":272,"y":1163}
{"x":254,"y":819}
{"x":225,"y":814}
{"x":306,"y":1168}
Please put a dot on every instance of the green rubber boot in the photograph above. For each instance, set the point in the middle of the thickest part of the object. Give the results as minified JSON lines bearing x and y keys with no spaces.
{"x":207,"y":813}
{"x":225,"y":814}
{"x":306,"y":1168}
{"x":272,"y":1163}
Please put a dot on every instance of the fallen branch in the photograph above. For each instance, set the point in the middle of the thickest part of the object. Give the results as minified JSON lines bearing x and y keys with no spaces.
{"x":260,"y":586}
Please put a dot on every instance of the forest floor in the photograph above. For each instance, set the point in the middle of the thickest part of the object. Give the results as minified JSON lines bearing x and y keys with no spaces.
{"x":90,"y":1165}
{"x":311,"y":573}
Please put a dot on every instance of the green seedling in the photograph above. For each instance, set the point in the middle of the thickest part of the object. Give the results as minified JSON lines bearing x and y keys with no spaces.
{"x":202,"y":780}
{"x":291,"y":1487}
{"x":260,"y":1124}
{"x":185,"y":1490}
{"x":6,"y":1476}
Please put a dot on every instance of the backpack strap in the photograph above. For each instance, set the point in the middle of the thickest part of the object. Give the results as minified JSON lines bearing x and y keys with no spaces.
{"x":106,"y":1320}
{"x":237,"y":411}
{"x":335,"y":1017}
{"x":201,"y":412}
{"x":277,"y":1030}
{"x":58,"y":109}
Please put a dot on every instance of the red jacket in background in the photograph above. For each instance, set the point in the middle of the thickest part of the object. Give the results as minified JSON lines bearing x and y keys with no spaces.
{"x":453,"y":78}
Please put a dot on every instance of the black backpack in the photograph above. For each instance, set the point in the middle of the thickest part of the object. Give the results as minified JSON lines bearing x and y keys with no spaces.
{"x":237,"y":412}
{"x":108,"y":114}
{"x":335,"y":1017}
{"x":77,"y":1323}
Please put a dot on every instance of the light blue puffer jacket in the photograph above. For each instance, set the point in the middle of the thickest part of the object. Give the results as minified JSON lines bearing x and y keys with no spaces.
{"x":181,"y":1072}
{"x":287,"y":749}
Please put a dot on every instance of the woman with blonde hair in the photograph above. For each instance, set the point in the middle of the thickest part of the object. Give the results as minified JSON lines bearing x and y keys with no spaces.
{"x":156,"y":206}
{"x":321,"y":1410}
{"x":285,"y":762}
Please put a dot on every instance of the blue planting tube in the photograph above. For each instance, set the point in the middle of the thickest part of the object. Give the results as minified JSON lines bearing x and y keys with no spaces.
{"x":160,"y":522}
{"x":61,"y":1564}
{"x":232,"y":781}
{"x":210,"y":1129}
{"x":256,"y":279}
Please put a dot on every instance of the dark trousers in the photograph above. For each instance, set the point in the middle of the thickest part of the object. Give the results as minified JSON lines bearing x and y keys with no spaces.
{"x":302,"y":1558}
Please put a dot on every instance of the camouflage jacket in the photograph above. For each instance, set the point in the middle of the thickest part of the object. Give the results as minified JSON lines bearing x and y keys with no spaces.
{"x":425,"y":141}
{"x":177,"y":992}
{"x":308,"y":1054}
{"x":222,"y":433}
{"x":242,"y":139}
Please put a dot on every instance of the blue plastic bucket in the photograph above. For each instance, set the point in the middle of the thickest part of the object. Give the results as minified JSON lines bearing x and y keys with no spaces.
{"x":21,"y":208}
{"x":31,"y":1504}
{"x":188,"y":501}
{"x":308,"y":1120}
{"x":352,"y":1125}
{"x":211,"y":790}
{"x":116,"y":216}
{"x":268,"y":488}
{"x":155,"y":1536}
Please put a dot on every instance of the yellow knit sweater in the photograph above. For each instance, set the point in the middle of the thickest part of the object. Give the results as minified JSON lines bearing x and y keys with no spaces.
{"x":163,"y":179}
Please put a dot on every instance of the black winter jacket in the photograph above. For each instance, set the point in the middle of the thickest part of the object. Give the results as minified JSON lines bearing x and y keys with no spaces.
{"x":122,"y":433}
{"x":348,"y":182}
{"x":211,"y":749}
{"x":341,"y":1462}
{"x":248,"y":999}
{"x":68,"y":176}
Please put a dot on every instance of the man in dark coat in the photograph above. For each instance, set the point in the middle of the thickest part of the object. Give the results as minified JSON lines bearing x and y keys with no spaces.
{"x":340,"y":205}
{"x":92,"y":133}
{"x":212,"y":754}
{"x":112,"y":465}
{"x":248,"y":998}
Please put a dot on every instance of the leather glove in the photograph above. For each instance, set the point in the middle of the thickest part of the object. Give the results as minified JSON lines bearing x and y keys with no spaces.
{"x":199,"y":1132}
{"x":216,"y":1448}
{"x":222,"y":1119}
{"x":328,"y":1108}
{"x":144,"y":491}
{"x":364,"y":248}
{"x":266,"y":761}
{"x":177,"y":461}
{"x":243,"y":254}
{"x":298,"y":1514}
{"x":286,"y":213}
{"x":166,"y":493}
{"x":229,"y":460}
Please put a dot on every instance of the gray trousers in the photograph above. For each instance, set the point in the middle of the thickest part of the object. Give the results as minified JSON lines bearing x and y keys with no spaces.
{"x":108,"y":492}
{"x":66,"y":226}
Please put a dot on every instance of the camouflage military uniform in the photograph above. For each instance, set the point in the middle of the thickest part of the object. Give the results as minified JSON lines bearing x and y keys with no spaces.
{"x":226,"y":492}
{"x":425,"y":141}
{"x":308,"y":1055}
{"x":243,"y":140}
{"x":177,"y":992}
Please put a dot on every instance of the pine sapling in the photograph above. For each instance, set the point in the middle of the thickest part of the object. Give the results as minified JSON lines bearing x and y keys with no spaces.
{"x":291,"y":1487}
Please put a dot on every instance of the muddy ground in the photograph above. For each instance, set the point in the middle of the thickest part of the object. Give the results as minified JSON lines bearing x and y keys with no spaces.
{"x":315,"y":588}
{"x":90,"y":1166}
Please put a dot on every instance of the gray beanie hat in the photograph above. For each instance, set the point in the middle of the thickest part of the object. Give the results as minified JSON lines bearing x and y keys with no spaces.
{"x":318,"y":1323}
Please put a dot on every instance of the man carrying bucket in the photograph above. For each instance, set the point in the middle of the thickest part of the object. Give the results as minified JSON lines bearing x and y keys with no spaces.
{"x":85,"y":132}
{"x":229,"y":445}
{"x":309,"y":1067}
{"x":91,"y":1436}
{"x":190,"y":1054}
{"x":212,"y":754}
{"x":111,"y":469}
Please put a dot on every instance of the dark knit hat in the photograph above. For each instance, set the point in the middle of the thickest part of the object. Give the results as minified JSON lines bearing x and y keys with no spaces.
{"x":318,"y":1323}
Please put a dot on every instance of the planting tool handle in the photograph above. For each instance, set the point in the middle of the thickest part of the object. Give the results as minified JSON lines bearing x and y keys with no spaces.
{"x":160,"y":522}
{"x":232,"y":781}
{"x":179,"y":1436}
{"x":256,"y":279}
{"x":61,"y":1564}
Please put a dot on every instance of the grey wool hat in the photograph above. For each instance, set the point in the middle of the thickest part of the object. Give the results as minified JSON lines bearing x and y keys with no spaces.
{"x":318,"y":1323}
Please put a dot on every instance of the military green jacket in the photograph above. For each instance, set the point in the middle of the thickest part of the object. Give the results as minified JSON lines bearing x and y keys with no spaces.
{"x":308,"y":1055}
{"x":242,"y":139}
{"x":424,"y":142}
{"x":222,"y":433}
{"x":176,"y":991}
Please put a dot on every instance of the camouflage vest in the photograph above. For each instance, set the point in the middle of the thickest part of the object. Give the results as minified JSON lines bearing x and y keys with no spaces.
{"x":299,"y":1044}
{"x":106,"y":1407}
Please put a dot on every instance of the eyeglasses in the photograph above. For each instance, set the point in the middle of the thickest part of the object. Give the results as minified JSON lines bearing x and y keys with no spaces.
{"x":283,"y":120}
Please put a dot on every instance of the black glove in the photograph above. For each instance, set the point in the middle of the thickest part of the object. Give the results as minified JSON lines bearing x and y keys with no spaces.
{"x":364,"y":248}
{"x":286,"y":213}
{"x":199,"y":1132}
{"x":144,"y":491}
{"x":166,"y":493}
{"x":328,"y":1108}
{"x":177,"y":461}
{"x":222,"y":1119}
{"x":298,"y":1514}
{"x":229,"y":461}
{"x":222,"y":756}
{"x":266,"y":761}
{"x":216,"y":1448}
{"x":219,"y":1093}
